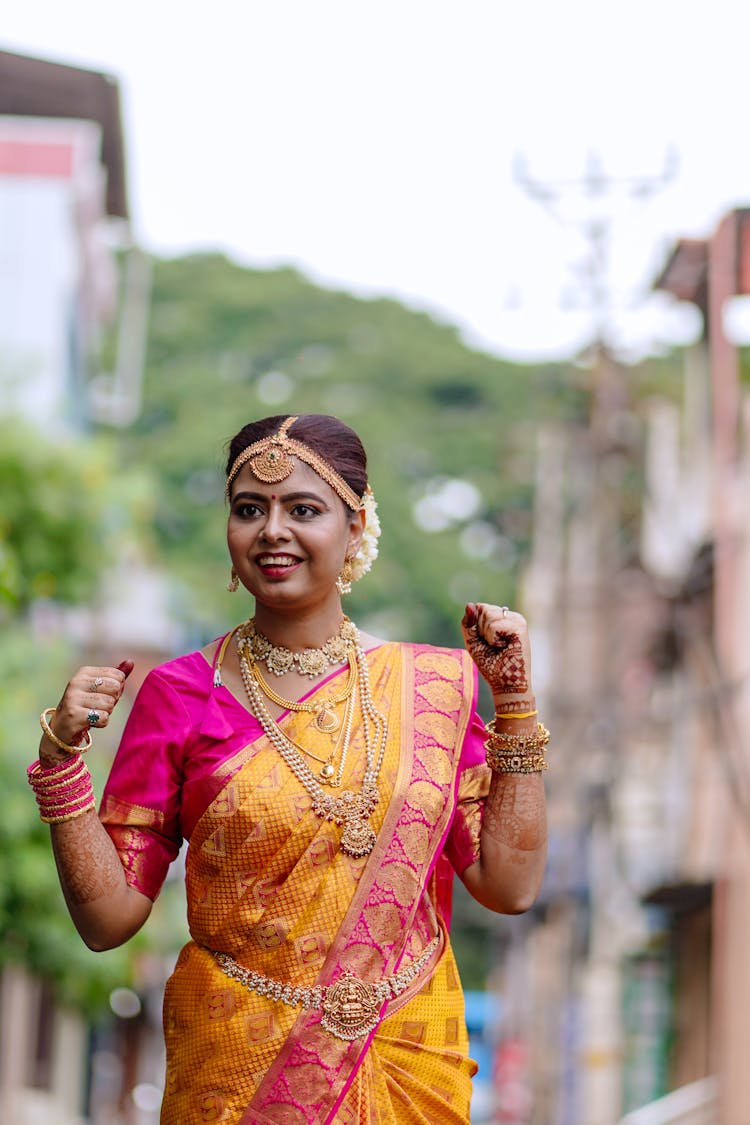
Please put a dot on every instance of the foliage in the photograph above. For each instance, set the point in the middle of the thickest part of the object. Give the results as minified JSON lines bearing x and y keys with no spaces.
{"x":65,"y":509}
{"x":229,"y":344}
{"x":59,"y":514}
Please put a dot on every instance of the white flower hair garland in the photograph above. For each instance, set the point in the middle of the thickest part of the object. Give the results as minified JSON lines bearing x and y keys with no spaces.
{"x":368,"y":547}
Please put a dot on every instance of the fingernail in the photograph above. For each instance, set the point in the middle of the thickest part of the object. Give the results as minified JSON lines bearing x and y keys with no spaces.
{"x":471,"y":613}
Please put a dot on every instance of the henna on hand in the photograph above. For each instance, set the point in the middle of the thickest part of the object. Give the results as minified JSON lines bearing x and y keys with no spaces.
{"x":499,"y":656}
{"x":502,"y":664}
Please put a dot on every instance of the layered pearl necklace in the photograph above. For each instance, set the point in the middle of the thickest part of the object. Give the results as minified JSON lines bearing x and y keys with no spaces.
{"x":352,"y":810}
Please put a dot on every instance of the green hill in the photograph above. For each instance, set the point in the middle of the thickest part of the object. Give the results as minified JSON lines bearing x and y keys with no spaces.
{"x":228,"y":344}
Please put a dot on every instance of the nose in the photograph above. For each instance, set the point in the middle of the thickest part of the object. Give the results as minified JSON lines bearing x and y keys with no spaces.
{"x":275,"y":527}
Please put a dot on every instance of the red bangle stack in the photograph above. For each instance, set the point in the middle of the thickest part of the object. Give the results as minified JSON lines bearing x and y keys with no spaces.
{"x":63,"y":791}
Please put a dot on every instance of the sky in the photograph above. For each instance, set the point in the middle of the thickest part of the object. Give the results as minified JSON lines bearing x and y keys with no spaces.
{"x":450,"y":154}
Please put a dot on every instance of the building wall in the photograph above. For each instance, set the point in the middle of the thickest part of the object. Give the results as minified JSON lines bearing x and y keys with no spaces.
{"x":57,"y":274}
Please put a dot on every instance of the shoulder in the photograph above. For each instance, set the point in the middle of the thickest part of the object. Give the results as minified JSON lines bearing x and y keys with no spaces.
{"x":179,"y":687}
{"x":192,"y":668}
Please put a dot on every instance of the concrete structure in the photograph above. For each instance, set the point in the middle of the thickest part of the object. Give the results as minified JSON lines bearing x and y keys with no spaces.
{"x":710,"y":274}
{"x":63,"y":215}
{"x":638,"y":593}
{"x":64,"y":231}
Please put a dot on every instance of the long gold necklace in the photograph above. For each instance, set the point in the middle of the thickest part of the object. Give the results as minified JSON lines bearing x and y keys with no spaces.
{"x":326,"y":720}
{"x":310,"y":661}
{"x":328,"y":773}
{"x":352,"y":810}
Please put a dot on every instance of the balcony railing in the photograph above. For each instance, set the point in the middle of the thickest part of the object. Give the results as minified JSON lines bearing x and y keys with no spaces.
{"x":696,"y":1104}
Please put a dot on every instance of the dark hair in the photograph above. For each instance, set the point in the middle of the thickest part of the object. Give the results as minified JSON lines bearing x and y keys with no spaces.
{"x":329,"y":437}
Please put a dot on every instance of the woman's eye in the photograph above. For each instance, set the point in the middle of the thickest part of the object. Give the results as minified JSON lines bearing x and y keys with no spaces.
{"x":247,"y":511}
{"x":304,"y":511}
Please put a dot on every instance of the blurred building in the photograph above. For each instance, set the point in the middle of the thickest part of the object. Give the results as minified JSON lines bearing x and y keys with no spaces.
{"x":636,"y":979}
{"x":711,"y":274}
{"x":71,"y":277}
{"x":65,"y":226}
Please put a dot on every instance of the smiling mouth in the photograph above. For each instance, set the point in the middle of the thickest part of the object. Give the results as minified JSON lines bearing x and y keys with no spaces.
{"x":277,"y":560}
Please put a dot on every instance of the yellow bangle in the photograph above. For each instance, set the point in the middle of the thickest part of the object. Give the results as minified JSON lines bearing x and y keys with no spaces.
{"x":58,"y":741}
{"x":515,"y":715}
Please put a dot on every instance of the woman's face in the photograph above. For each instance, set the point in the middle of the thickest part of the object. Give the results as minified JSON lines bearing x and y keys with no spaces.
{"x":288,"y":541}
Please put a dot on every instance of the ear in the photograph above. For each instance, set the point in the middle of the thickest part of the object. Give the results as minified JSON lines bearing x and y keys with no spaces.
{"x":357,"y":522}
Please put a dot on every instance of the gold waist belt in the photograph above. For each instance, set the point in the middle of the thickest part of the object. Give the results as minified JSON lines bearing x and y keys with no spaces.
{"x":350,"y":1006}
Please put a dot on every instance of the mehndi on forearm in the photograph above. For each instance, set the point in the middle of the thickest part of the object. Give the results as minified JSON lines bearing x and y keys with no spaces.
{"x":87,"y":863}
{"x":515,"y":813}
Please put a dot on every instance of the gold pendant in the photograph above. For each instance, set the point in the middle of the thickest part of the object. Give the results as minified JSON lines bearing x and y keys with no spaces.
{"x":358,"y":838}
{"x":326,"y":721}
{"x":327,"y":772}
{"x":350,"y":1008}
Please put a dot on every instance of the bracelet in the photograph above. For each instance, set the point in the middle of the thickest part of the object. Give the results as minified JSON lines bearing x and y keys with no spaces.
{"x":63,"y":791}
{"x":66,"y":746}
{"x":515,"y":763}
{"x":516,"y":753}
{"x":517,"y":743}
{"x":516,"y":715}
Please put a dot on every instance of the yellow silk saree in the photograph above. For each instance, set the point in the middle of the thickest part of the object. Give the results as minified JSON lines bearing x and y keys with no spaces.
{"x":268,"y":884}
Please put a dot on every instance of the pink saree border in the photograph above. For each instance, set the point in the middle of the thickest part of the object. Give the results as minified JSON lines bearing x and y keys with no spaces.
{"x":307,"y":1044}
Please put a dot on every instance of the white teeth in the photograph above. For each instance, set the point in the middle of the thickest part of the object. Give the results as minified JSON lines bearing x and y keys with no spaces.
{"x":276,"y":560}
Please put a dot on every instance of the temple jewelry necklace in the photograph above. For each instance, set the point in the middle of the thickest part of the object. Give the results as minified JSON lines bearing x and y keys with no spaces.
{"x":328,"y":775}
{"x":311,"y":661}
{"x":326,"y":720}
{"x":352,"y":810}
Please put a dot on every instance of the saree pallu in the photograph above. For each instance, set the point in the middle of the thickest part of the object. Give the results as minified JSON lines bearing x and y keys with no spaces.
{"x":268,"y":884}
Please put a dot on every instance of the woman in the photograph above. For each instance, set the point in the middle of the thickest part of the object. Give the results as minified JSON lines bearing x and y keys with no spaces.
{"x":329,"y":784}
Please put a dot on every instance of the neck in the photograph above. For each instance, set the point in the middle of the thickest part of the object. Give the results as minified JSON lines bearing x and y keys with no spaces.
{"x":299,"y":630}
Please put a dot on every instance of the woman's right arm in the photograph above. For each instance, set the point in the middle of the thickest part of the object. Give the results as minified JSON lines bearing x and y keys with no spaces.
{"x":105,"y":910}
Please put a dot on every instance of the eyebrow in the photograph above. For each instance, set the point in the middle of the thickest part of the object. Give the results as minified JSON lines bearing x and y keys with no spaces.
{"x":246,"y":495}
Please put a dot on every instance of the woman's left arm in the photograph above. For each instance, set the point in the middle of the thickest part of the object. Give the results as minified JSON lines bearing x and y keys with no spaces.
{"x":513,"y":841}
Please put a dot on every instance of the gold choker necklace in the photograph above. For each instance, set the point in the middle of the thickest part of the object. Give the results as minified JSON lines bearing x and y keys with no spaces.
{"x":311,"y":661}
{"x":352,"y":810}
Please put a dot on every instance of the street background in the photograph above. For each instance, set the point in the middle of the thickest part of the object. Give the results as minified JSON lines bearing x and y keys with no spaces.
{"x":512,"y":248}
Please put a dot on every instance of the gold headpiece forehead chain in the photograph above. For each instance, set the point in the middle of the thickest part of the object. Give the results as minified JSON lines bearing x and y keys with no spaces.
{"x":271,"y":460}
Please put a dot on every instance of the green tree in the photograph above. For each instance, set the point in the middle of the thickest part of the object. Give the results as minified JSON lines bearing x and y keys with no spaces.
{"x":229,"y":344}
{"x":64,"y":508}
{"x":60,"y":504}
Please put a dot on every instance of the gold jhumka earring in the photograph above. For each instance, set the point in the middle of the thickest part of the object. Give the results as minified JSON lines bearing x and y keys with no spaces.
{"x":344,"y":580}
{"x":234,"y":583}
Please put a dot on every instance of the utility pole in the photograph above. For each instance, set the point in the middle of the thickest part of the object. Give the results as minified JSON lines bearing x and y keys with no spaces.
{"x":582,"y":632}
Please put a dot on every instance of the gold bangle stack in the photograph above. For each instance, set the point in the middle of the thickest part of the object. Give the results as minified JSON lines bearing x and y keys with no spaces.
{"x":516,"y":753}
